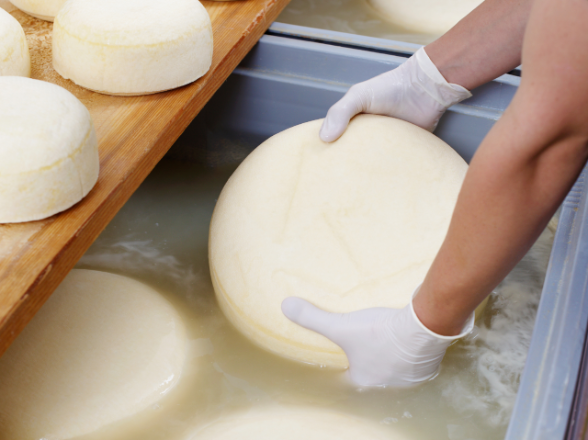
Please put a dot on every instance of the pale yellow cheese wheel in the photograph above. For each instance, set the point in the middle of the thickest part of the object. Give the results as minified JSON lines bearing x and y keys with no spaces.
{"x":425,"y":16}
{"x":48,"y":150}
{"x":14,"y":50}
{"x":295,"y":423}
{"x":102,"y":348}
{"x":43,"y":9}
{"x":132,"y":47}
{"x":348,"y":225}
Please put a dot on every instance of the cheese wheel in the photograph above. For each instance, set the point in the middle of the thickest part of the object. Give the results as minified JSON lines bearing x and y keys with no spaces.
{"x":43,"y":9}
{"x":14,"y":51}
{"x":295,"y":423}
{"x":102,"y":348}
{"x":132,"y":47}
{"x":425,"y":16}
{"x":347,"y":226}
{"x":48,"y":149}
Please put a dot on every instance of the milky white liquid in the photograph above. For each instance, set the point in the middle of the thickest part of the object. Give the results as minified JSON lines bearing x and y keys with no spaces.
{"x":350,"y":16}
{"x":160,"y":237}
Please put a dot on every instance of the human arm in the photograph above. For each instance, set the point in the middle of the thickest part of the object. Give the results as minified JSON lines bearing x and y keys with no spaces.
{"x":482,"y":46}
{"x":517,"y":179}
{"x":521,"y":172}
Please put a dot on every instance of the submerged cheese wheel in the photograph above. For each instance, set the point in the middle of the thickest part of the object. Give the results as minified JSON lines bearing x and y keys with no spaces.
{"x":295,"y":424}
{"x":426,"y":16}
{"x":43,"y":9}
{"x":102,"y":348}
{"x":14,"y":51}
{"x":348,"y":225}
{"x":132,"y":47}
{"x":48,"y":149}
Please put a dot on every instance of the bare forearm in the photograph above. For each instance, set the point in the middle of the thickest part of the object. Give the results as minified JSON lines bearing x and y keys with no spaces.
{"x":505,"y":204}
{"x":484,"y":45}
{"x":521,"y":172}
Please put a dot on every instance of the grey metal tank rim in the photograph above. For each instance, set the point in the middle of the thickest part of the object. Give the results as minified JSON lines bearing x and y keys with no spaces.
{"x":381,"y":45}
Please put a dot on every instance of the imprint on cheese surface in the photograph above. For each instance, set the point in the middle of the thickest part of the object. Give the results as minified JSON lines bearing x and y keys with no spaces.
{"x":347,"y":225}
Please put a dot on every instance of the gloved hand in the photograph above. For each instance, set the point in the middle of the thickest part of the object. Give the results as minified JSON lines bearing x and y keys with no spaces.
{"x":384,"y":346}
{"x":415,"y":91}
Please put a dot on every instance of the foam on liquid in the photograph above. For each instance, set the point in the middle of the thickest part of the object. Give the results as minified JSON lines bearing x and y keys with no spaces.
{"x":160,"y":237}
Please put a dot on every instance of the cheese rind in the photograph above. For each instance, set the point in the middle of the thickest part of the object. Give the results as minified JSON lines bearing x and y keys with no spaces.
{"x":43,"y":9}
{"x":101,"y":349}
{"x":295,"y":423}
{"x":48,"y":150}
{"x":347,"y":226}
{"x":133,"y":47}
{"x":425,"y":16}
{"x":14,"y":50}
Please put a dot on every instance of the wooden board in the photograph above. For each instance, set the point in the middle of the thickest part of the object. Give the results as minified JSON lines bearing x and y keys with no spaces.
{"x":133,"y":134}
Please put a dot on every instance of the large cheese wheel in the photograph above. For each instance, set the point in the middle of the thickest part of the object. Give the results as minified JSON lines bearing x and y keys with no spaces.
{"x":14,"y":51}
{"x":132,"y":47}
{"x":43,"y":9}
{"x":426,"y":16}
{"x":296,"y":423}
{"x":348,"y":225}
{"x":102,"y":348}
{"x":48,"y":149}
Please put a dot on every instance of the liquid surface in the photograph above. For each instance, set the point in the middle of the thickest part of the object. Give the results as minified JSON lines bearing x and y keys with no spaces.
{"x":350,"y":16}
{"x":161,"y":236}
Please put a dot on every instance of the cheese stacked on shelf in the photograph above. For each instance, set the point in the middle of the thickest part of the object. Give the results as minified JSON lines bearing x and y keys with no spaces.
{"x":14,"y":51}
{"x":134,"y":47}
{"x":102,"y":348}
{"x":48,"y":150}
{"x":43,"y":9}
{"x":347,"y":226}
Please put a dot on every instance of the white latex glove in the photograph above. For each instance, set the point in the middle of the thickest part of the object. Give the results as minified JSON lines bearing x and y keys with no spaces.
{"x":384,"y":346}
{"x":415,"y":91}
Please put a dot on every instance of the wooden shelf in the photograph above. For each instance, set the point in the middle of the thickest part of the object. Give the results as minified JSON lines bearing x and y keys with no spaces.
{"x":133,"y":134}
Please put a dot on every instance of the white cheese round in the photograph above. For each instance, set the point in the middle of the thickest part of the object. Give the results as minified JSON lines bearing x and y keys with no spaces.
{"x":425,"y":16}
{"x":14,"y":51}
{"x":102,"y":348}
{"x":132,"y":47}
{"x":296,"y":423}
{"x":347,"y":226}
{"x":43,"y":9}
{"x":48,"y":150}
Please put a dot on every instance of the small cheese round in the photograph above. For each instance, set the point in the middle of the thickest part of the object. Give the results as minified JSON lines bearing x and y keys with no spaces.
{"x":296,"y":423}
{"x":48,"y":150}
{"x":425,"y":16}
{"x":43,"y":9}
{"x":14,"y":50}
{"x":132,"y":47}
{"x":347,"y":226}
{"x":101,"y":349}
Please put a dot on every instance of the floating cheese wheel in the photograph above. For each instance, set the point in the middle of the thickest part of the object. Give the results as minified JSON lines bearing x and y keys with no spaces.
{"x":132,"y":47}
{"x":48,"y":149}
{"x":102,"y":348}
{"x":295,"y":424}
{"x":348,"y":225}
{"x":14,"y":51}
{"x":43,"y":9}
{"x":426,"y":16}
